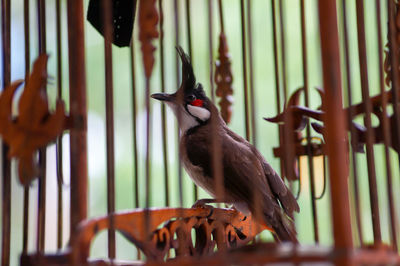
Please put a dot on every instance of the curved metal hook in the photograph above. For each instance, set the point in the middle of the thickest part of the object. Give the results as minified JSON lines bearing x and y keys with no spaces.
{"x":318,"y":140}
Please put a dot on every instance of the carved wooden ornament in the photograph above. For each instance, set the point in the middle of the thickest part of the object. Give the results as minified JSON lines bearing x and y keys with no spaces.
{"x":300,"y":114}
{"x":223,"y":79}
{"x":35,"y":126}
{"x":171,"y":228}
{"x":148,"y":19}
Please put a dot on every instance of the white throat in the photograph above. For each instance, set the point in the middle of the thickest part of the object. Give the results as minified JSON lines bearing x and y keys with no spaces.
{"x":201,"y":113}
{"x":188,"y":120}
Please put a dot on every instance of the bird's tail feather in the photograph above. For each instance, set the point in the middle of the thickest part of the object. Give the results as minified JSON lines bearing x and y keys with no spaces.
{"x":284,"y":228}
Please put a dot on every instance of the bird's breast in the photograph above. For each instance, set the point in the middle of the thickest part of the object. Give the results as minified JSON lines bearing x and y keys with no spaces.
{"x":195,"y":172}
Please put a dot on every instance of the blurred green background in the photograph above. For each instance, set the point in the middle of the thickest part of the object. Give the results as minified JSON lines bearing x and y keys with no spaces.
{"x":265,"y":106}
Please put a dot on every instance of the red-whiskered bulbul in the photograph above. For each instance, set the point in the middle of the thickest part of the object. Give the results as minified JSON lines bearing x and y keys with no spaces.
{"x":247,"y":176}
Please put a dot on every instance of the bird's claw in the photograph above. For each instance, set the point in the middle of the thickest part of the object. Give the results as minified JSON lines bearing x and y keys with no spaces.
{"x":236,"y":210}
{"x":203,"y":204}
{"x":211,"y":208}
{"x":200,"y":203}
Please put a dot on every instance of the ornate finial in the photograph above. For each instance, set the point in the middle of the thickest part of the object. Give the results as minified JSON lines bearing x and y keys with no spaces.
{"x":148,"y":19}
{"x":223,"y":79}
{"x":35,"y":126}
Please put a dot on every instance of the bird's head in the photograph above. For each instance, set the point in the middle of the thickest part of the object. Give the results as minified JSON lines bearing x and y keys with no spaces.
{"x":189,"y":103}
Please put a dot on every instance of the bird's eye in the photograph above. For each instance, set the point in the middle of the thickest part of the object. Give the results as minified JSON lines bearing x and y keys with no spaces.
{"x":191,"y":98}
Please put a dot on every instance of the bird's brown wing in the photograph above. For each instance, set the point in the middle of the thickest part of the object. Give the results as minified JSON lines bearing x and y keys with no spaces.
{"x":245,"y":179}
{"x":283,"y":194}
{"x":276,"y":184}
{"x":242,"y":170}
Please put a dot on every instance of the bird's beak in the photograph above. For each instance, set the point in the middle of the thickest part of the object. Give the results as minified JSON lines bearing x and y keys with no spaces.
{"x":165,"y":97}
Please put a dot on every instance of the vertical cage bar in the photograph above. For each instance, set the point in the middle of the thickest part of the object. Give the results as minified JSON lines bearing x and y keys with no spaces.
{"x":78,"y":113}
{"x":386,"y":130}
{"x":190,"y":51}
{"x":277,"y":75}
{"x":394,"y":62}
{"x":189,"y":29}
{"x":257,"y":199}
{"x":148,"y":10}
{"x":6,"y":164}
{"x":244,"y":62}
{"x":134,"y":125}
{"x":276,"y":57}
{"x":41,"y":8}
{"x":176,"y":27}
{"x":310,"y":158}
{"x":109,"y":97}
{"x":59,"y":146}
{"x":216,"y":152}
{"x":335,"y":121}
{"x":251,"y":75}
{"x":373,"y":191}
{"x":283,"y":50}
{"x":289,"y":157}
{"x":221,"y":15}
{"x":148,"y":156}
{"x":41,"y":230}
{"x":163,"y":113}
{"x":134,"y":133}
{"x":25,"y":229}
{"x":285,"y":131}
{"x":353,"y":135}
{"x":210,"y":13}
{"x":210,"y":21}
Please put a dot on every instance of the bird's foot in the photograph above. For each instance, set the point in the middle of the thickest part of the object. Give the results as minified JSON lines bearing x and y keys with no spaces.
{"x":203,"y":203}
{"x":236,"y":210}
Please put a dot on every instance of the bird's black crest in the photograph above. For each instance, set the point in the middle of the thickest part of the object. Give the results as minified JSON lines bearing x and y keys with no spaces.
{"x":188,"y":78}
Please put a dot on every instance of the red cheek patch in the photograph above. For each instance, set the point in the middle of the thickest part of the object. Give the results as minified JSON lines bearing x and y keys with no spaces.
{"x":197,"y":102}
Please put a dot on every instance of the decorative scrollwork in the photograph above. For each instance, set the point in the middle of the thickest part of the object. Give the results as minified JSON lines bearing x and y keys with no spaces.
{"x":300,"y":114}
{"x":35,"y":126}
{"x":209,"y":235}
{"x":171,"y":228}
{"x":298,"y":119}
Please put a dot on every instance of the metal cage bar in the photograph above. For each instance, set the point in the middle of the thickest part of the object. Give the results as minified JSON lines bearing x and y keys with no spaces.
{"x":27,"y":71}
{"x":6,"y":163}
{"x":59,"y":144}
{"x":163,"y":112}
{"x":109,"y":96}
{"x":310,"y":158}
{"x":353,"y":135}
{"x":335,"y":127}
{"x":78,"y":112}
{"x":387,"y":131}
{"x":41,"y":218}
{"x":368,"y":110}
{"x":338,"y":120}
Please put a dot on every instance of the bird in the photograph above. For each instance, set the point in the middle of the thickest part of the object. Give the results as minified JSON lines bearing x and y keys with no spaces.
{"x":250,"y":184}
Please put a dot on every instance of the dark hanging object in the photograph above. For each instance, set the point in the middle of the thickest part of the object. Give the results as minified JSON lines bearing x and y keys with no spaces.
{"x":123,"y":17}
